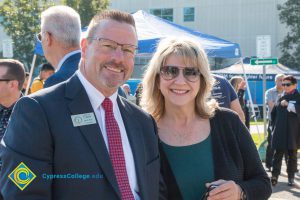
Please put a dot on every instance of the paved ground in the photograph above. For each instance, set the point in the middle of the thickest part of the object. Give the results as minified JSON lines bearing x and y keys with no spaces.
{"x":282,"y":191}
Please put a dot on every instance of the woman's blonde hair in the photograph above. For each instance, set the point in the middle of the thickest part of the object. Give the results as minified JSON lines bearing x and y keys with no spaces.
{"x":193,"y":55}
{"x":235,"y":81}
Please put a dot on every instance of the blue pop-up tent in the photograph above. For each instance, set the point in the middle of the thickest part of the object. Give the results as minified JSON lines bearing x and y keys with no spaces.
{"x":151,"y":29}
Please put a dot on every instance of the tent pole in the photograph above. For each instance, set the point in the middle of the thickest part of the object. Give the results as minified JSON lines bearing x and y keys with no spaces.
{"x":250,"y":98}
{"x":30,"y":74}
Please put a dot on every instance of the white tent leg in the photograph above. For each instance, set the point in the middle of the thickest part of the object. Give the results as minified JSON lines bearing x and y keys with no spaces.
{"x":30,"y":74}
{"x":250,"y":99}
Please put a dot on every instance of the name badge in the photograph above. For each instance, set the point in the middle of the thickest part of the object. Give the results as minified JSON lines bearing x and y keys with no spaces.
{"x":292,"y":102}
{"x":83,"y":119}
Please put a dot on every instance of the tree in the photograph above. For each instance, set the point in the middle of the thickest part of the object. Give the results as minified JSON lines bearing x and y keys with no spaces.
{"x":87,"y":8}
{"x":21,"y":21}
{"x":290,"y":46}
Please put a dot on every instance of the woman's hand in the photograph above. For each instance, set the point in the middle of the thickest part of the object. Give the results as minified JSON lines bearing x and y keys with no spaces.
{"x":226,"y":190}
{"x":284,"y":103}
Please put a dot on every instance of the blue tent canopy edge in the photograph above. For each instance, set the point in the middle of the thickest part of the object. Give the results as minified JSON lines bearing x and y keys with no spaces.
{"x":150,"y":35}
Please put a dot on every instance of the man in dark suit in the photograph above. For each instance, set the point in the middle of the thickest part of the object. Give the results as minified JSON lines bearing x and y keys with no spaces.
{"x":79,"y":138}
{"x":60,"y":38}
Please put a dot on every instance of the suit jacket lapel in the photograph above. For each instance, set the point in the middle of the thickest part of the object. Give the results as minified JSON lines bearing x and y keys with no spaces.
{"x":135,"y":137}
{"x":80,"y":104}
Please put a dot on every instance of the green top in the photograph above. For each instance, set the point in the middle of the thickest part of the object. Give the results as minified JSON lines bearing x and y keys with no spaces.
{"x":192,"y":167}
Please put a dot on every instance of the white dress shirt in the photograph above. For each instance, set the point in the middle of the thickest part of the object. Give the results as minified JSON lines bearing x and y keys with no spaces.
{"x":96,"y":98}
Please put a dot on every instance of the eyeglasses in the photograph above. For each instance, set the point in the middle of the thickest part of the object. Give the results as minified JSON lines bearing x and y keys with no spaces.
{"x":286,"y":84}
{"x":39,"y":37}
{"x":191,"y":74}
{"x":110,"y":46}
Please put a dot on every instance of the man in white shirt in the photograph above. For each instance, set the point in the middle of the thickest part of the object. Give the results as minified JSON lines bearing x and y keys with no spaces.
{"x":82,"y":141}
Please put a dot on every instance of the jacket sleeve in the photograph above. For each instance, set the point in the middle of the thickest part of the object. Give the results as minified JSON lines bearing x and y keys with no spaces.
{"x":28,"y":141}
{"x":256,"y":183}
{"x":297,"y":106}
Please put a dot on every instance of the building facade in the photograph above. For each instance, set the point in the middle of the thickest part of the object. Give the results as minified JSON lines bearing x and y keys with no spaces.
{"x":238,"y":21}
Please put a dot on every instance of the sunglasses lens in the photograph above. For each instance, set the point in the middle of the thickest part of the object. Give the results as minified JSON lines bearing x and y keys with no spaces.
{"x":286,"y":84}
{"x":169,"y":72}
{"x":191,"y":74}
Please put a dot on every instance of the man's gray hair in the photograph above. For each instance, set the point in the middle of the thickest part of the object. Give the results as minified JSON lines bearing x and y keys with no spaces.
{"x":64,"y":23}
{"x":278,"y":76}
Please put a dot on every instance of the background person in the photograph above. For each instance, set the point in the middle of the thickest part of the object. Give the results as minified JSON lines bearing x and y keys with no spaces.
{"x":286,"y":128}
{"x":138,"y":93}
{"x":201,"y":144}
{"x":272,"y":95}
{"x":12,"y":76}
{"x":226,"y":96}
{"x":60,"y":37}
{"x":126,"y":89}
{"x":239,"y":85}
{"x":129,"y":96}
{"x":82,"y":126}
{"x":45,"y":72}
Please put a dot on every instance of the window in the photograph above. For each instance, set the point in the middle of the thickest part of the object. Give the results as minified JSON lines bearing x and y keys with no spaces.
{"x":189,"y":14}
{"x":165,"y":13}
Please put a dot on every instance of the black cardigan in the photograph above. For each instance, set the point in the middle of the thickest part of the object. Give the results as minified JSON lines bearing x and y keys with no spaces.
{"x":235,"y":158}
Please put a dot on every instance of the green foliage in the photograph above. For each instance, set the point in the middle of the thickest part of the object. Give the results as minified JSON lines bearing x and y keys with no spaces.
{"x":86,"y":8}
{"x":290,"y":46}
{"x":21,"y":21}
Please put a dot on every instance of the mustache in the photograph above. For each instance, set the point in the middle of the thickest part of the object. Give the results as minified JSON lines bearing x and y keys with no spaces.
{"x":115,"y":65}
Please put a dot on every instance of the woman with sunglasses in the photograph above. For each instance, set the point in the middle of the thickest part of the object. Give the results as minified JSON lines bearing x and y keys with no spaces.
{"x":201,"y":144}
{"x":286,"y":129}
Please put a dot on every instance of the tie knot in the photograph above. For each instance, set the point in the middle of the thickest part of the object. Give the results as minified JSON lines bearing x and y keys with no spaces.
{"x":107,"y":104}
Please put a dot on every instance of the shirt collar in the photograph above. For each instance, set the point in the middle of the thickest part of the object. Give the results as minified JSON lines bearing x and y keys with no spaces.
{"x":5,"y":108}
{"x":292,"y":92}
{"x":95,"y":96}
{"x":66,"y":57}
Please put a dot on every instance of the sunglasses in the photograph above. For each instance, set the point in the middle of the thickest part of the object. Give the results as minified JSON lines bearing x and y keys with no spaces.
{"x":286,"y":84}
{"x":206,"y":194}
{"x":191,"y":74}
{"x":5,"y":79}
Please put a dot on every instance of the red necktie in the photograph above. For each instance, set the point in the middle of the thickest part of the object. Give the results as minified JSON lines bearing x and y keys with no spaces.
{"x":116,"y":150}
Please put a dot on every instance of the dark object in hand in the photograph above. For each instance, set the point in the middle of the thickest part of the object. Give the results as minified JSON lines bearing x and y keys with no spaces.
{"x":210,"y":188}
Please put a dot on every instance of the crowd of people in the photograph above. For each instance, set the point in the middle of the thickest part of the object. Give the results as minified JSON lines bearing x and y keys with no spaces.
{"x":183,"y":135}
